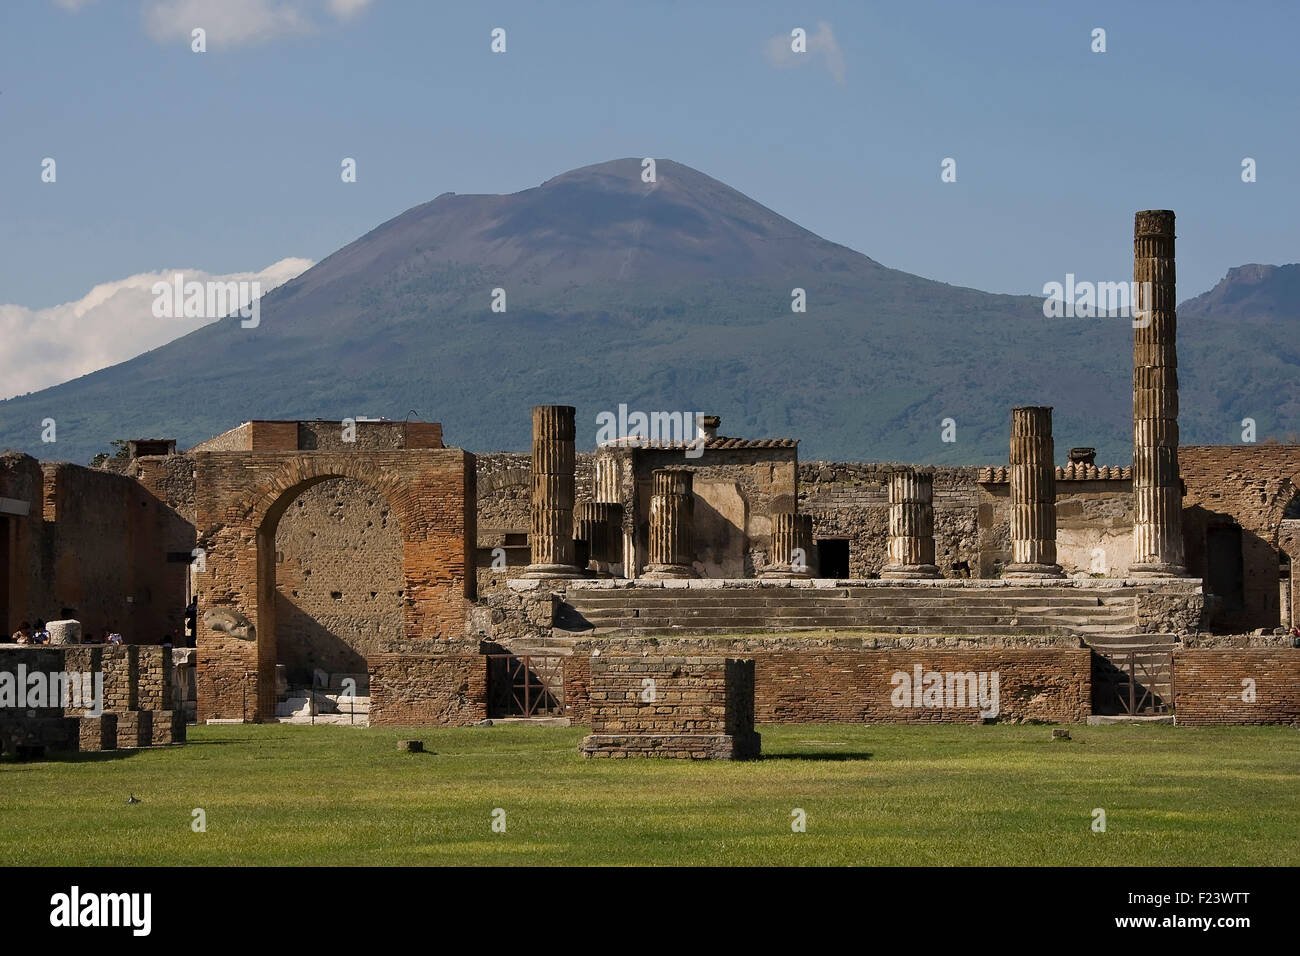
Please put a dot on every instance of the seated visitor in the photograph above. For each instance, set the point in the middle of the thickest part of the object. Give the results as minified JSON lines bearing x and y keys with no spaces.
{"x":24,"y":633}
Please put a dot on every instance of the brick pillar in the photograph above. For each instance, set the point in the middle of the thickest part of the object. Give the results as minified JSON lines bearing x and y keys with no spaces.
{"x":1033,"y":495}
{"x":600,"y":524}
{"x":791,"y":553}
{"x":551,"y":537}
{"x":911,"y":525}
{"x":1157,"y":487}
{"x":672,"y":525}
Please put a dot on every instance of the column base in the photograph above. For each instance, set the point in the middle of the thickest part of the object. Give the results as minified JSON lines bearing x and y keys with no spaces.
{"x":903,"y":572}
{"x":553,"y":571}
{"x":1157,"y":570}
{"x":1021,"y":571}
{"x":781,"y":571}
{"x":659,"y":572}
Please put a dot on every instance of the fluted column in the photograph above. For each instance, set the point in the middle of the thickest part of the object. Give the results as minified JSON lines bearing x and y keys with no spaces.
{"x":551,"y":537}
{"x":1033,"y":495}
{"x":791,"y":551}
{"x":1157,"y":486}
{"x":672,"y":525}
{"x":911,"y":525}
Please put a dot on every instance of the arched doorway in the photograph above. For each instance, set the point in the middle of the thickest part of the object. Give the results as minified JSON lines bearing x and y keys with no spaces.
{"x":331,"y":566}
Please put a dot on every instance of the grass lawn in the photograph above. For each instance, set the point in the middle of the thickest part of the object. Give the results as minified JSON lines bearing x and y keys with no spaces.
{"x":947,"y":795}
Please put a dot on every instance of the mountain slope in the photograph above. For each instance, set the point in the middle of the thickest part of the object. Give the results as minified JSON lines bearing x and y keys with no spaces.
{"x":672,"y":296}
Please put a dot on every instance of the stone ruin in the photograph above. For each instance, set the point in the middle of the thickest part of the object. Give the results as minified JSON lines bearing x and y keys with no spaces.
{"x":448,"y":587}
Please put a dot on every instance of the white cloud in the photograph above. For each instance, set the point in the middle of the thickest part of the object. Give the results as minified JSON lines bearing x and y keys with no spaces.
{"x":820,"y":46}
{"x":233,"y":22}
{"x":72,"y":6}
{"x":113,"y":322}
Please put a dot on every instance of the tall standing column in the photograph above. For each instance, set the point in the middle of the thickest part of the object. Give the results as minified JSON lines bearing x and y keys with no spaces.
{"x":1033,"y":495}
{"x":791,"y":551}
{"x":911,"y":525}
{"x":672,"y":525}
{"x":551,"y":537}
{"x":1157,"y":486}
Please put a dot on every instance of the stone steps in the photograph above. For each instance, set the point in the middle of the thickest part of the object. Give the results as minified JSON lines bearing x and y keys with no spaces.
{"x":886,"y":610}
{"x":325,"y":705}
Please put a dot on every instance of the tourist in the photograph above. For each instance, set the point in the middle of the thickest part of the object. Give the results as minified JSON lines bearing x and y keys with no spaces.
{"x":24,"y":633}
{"x":40,"y":635}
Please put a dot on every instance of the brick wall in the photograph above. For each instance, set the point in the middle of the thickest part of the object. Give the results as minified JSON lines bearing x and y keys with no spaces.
{"x":427,"y":691}
{"x":339,"y":579}
{"x":1250,"y":486}
{"x":1035,"y":684}
{"x":1210,"y":688}
{"x":240,"y":499}
{"x":671,"y":705}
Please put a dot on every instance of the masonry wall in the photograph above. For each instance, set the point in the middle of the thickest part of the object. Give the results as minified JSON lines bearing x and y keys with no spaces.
{"x":104,"y":556}
{"x":22,"y":585}
{"x":827,"y":684}
{"x":971,"y":517}
{"x":671,"y":706}
{"x":1211,"y":686}
{"x":427,"y":691}
{"x":240,"y":499}
{"x":1041,"y":684}
{"x":1249,"y":486}
{"x":339,"y":579}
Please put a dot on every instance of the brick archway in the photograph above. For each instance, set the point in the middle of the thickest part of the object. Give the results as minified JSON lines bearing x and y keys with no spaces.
{"x":240,"y":498}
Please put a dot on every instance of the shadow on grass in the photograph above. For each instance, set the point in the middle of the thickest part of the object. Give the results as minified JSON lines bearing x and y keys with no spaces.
{"x":829,"y":755}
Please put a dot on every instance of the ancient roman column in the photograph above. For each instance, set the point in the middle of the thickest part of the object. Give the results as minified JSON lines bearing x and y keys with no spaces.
{"x":553,"y":493}
{"x":911,"y":525}
{"x":791,"y":552}
{"x":1033,"y":495}
{"x":1157,"y":487}
{"x":672,"y":520}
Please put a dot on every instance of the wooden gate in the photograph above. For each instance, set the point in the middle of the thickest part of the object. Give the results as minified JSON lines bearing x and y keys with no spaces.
{"x":1133,"y":674}
{"x":527,"y":685}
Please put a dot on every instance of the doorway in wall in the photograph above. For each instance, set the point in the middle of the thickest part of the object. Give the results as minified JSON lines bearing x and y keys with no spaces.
{"x":832,"y":557}
{"x":1223,"y":566}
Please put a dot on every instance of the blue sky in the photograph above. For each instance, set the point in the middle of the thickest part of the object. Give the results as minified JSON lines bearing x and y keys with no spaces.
{"x":228,"y":161}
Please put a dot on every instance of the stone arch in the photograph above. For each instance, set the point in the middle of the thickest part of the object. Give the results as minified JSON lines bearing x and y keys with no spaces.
{"x":240,"y":499}
{"x":267,"y":507}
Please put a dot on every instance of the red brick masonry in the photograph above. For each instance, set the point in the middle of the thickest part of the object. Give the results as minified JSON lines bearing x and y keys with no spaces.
{"x":1211,"y":686}
{"x":1033,"y":684}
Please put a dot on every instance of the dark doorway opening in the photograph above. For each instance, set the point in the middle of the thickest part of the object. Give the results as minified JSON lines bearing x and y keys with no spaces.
{"x":1223,"y":566}
{"x":833,"y":557}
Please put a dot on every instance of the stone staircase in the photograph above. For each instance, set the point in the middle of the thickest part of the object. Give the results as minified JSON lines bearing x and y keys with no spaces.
{"x":1006,"y":611}
{"x":326,"y":704}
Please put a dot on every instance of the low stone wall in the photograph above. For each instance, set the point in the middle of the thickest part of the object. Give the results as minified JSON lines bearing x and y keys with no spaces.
{"x":137,"y":708}
{"x":427,"y":691}
{"x":671,"y":706}
{"x":1048,"y":685}
{"x":1237,"y":686}
{"x":851,"y":679}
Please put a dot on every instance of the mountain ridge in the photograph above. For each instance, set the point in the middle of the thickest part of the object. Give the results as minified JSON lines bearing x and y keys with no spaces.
{"x":660,"y":296}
